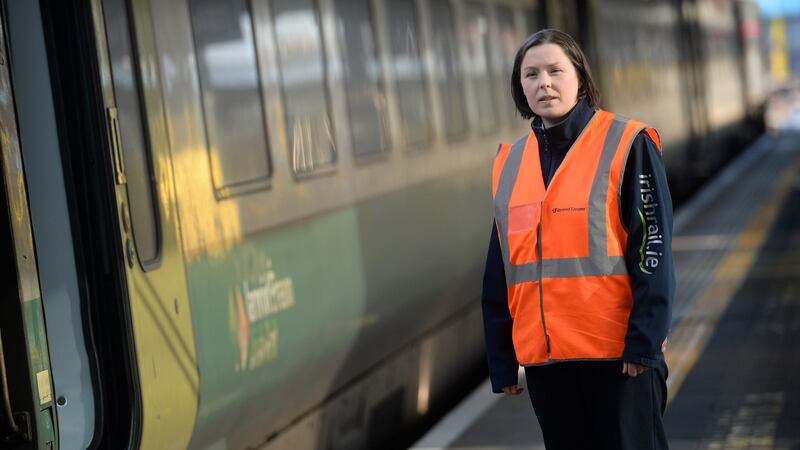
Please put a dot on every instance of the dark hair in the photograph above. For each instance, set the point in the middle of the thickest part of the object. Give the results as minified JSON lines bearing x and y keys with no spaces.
{"x":586,"y":87}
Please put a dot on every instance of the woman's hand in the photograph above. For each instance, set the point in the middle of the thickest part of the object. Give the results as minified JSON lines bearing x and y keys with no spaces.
{"x":632,"y":369}
{"x":512,"y":390}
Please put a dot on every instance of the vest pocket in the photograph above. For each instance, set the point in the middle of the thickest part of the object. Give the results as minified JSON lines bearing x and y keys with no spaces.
{"x":523,"y":222}
{"x":523,"y":218}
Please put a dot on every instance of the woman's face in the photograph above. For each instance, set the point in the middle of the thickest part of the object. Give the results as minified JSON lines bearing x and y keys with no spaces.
{"x":549,"y":81}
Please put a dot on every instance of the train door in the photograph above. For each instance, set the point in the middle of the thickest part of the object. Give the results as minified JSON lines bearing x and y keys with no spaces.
{"x":149,"y":236}
{"x":27,"y":416}
{"x":118,"y":177}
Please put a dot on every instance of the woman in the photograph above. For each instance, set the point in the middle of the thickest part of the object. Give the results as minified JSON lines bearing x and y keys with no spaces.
{"x":579,"y":276}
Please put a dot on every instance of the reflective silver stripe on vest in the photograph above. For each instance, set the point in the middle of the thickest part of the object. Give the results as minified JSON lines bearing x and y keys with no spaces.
{"x":598,"y":242}
{"x":520,"y":273}
{"x":584,"y":267}
{"x":505,"y":186}
{"x":598,"y":262}
{"x":566,"y":268}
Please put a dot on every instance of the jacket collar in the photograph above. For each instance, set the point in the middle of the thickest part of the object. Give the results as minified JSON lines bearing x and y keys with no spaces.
{"x":560,"y":137}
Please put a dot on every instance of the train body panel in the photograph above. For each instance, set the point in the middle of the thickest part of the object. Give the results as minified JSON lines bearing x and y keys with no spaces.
{"x":756,"y":80}
{"x":371,"y":198}
{"x":723,"y":84}
{"x":639,"y":53}
{"x":273,"y":327}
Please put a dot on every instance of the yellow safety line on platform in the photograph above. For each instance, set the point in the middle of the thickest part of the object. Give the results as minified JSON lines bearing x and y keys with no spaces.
{"x":689,"y":339}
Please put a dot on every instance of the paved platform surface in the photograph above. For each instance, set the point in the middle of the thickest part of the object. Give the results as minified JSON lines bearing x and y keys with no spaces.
{"x":744,"y":390}
{"x":734,"y":351}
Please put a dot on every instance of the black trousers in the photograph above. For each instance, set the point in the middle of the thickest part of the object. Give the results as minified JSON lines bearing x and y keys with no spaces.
{"x":592,"y":405}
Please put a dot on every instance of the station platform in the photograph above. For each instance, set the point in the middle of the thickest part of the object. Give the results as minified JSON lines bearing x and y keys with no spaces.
{"x":734,"y":345}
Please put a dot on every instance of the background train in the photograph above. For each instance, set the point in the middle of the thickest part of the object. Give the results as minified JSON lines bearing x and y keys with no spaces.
{"x":236,"y":224}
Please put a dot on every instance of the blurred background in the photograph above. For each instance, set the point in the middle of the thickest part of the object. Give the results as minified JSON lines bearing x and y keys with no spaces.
{"x":243,"y":224}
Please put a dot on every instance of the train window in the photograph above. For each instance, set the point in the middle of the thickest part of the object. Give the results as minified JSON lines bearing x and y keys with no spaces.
{"x":133,"y":133}
{"x":477,"y":64}
{"x":302,"y":67}
{"x":509,"y":39}
{"x":408,"y":72}
{"x":234,"y":116}
{"x":366,"y":100}
{"x":448,"y":73}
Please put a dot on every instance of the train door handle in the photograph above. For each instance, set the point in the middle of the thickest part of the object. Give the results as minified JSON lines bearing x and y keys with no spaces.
{"x":116,"y":144}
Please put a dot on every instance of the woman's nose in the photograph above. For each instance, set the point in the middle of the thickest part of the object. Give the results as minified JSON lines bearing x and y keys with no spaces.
{"x":544,"y":81}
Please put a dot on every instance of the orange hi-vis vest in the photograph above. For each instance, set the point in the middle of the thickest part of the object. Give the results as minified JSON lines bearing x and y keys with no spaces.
{"x":569,"y":291}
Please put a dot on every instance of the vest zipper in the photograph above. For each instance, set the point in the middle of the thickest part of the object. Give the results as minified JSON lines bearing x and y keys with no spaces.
{"x":541,"y":288}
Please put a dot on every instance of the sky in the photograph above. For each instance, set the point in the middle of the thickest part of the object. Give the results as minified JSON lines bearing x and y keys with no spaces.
{"x":779,"y":7}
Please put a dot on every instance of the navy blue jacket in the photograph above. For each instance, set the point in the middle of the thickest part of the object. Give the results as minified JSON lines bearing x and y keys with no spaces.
{"x":646,"y":204}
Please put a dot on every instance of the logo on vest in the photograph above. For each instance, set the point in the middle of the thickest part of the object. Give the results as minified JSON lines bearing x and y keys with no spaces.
{"x":573,"y":209}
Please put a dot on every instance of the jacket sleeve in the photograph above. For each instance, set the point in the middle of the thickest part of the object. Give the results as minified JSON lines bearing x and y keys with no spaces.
{"x":647,"y":213}
{"x":497,"y":320}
